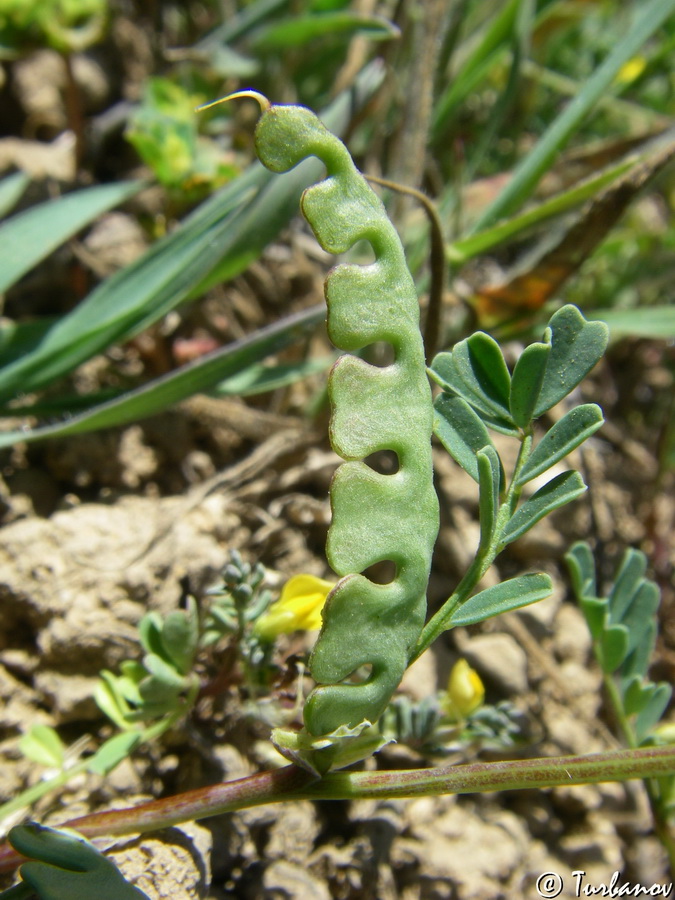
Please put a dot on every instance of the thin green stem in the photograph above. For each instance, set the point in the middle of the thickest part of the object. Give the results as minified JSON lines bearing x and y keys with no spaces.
{"x":486,"y":555}
{"x":37,"y":791}
{"x":33,"y":794}
{"x":293,"y":783}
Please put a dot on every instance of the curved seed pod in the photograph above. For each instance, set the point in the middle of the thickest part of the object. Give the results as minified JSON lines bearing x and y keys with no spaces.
{"x":375,"y":517}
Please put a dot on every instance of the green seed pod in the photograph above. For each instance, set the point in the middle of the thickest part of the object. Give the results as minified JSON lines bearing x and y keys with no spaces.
{"x":375,"y":517}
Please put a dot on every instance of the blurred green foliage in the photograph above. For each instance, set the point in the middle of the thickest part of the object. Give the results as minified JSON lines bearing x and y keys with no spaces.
{"x":65,"y":25}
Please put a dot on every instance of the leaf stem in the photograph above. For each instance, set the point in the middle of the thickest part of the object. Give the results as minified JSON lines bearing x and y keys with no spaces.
{"x":485,"y":556}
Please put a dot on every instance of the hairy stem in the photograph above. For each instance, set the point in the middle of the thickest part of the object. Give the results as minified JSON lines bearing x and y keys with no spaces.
{"x":292,"y":783}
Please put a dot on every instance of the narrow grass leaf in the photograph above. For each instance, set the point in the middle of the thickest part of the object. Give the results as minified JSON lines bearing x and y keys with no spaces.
{"x":192,"y":378}
{"x":573,"y":429}
{"x":301,"y":30}
{"x":512,"y":594}
{"x":576,"y":347}
{"x":526,"y":382}
{"x":561,"y":251}
{"x":30,"y":236}
{"x":126,"y":301}
{"x":461,"y":432}
{"x":559,"y":491}
{"x":657,"y":322}
{"x":221,"y":238}
{"x":20,"y":338}
{"x":462,"y":250}
{"x":258,"y":379}
{"x":11,"y":189}
{"x":649,"y":17}
{"x":491,"y":45}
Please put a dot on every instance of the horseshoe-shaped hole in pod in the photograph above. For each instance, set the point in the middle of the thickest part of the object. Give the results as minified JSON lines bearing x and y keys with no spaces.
{"x":379,"y":354}
{"x":382,"y":572}
{"x":362,"y":253}
{"x":359,"y":675}
{"x":384,"y":462}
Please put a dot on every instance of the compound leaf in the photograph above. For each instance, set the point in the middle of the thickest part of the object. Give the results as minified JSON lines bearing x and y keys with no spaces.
{"x":637,"y":661}
{"x":595,"y":613}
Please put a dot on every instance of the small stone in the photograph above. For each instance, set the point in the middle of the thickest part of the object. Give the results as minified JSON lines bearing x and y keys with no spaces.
{"x":496,"y":657}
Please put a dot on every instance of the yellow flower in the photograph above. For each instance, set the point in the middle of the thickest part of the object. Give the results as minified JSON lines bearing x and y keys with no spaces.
{"x":297,"y":609}
{"x":465,"y":692}
{"x":631,"y":70}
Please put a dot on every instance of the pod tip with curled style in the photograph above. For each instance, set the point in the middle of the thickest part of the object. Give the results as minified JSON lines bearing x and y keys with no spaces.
{"x":265,"y":104}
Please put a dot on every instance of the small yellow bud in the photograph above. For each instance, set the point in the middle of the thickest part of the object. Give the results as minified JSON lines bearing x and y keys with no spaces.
{"x":631,"y":70}
{"x":465,"y":692}
{"x":664,"y":733}
{"x":297,"y":609}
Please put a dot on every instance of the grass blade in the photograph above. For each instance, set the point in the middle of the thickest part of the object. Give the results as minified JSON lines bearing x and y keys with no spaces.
{"x":464,"y":249}
{"x":190,"y":379}
{"x":11,"y":188}
{"x":217,"y":241}
{"x":649,"y":18}
{"x":31,"y":235}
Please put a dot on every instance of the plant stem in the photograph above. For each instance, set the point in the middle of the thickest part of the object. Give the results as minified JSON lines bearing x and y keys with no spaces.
{"x":293,"y":783}
{"x":486,"y":555}
{"x":661,"y":826}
